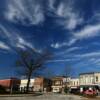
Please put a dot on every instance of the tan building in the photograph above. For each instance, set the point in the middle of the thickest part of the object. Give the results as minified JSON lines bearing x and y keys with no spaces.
{"x":57,"y":84}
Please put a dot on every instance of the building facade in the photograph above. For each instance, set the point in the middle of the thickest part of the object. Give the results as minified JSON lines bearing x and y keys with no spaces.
{"x":42,"y":84}
{"x":23,"y":85}
{"x":97,"y":78}
{"x":66,"y":81}
{"x":11,"y":84}
{"x":74,"y":83}
{"x":89,"y":78}
{"x":57,"y":84}
{"x":89,"y":81}
{"x":60,"y":83}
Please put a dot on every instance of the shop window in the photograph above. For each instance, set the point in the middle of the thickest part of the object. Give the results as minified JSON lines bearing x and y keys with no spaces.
{"x":96,"y":78}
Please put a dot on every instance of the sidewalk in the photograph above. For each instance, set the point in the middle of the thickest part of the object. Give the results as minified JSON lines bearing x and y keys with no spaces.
{"x":19,"y":95}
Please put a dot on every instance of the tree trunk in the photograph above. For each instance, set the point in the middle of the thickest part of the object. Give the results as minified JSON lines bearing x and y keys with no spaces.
{"x":28,"y":83}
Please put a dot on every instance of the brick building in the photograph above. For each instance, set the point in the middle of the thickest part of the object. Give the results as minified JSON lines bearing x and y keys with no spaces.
{"x":11,"y":84}
{"x":42,"y":84}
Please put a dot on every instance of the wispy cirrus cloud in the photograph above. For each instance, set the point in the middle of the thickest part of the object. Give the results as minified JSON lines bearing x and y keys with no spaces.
{"x":88,"y":32}
{"x":56,"y":45}
{"x":70,"y":18}
{"x":25,"y":12}
{"x":23,"y":43}
{"x":73,"y":49}
{"x":4,"y":46}
{"x":60,"y":45}
{"x":67,"y":15}
{"x":88,"y":55}
{"x":93,"y":55}
{"x":67,"y":51}
{"x":51,"y":4}
{"x":89,"y":58}
{"x":32,"y":12}
{"x":61,"y":60}
{"x":14,"y":38}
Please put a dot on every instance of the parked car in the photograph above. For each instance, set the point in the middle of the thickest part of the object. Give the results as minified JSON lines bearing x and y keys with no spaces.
{"x":90,"y":92}
{"x":57,"y":90}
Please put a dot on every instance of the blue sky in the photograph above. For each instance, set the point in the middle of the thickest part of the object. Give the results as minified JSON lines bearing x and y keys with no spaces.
{"x":68,"y":28}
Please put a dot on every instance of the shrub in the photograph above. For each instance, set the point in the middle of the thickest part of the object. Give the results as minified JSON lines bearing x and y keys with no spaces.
{"x":66,"y":90}
{"x":2,"y":90}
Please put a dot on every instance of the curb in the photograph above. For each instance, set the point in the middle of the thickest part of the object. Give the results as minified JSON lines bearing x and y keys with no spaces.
{"x":22,"y":95}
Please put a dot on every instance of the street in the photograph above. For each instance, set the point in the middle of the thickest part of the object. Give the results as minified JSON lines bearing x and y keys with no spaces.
{"x":47,"y":97}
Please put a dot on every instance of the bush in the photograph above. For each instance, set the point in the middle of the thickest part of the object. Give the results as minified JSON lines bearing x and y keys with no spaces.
{"x":66,"y":90}
{"x":2,"y":90}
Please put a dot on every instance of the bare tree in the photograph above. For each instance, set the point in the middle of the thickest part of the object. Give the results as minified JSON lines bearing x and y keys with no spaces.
{"x":30,"y":61}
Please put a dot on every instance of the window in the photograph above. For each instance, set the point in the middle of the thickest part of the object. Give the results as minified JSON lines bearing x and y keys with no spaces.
{"x":77,"y":83}
{"x":57,"y":82}
{"x":96,"y":78}
{"x":74,"y":83}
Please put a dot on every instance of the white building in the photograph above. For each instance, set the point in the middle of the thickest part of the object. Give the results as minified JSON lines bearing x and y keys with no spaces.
{"x":97,"y":78}
{"x":66,"y":81}
{"x":23,"y":85}
{"x":89,"y":78}
{"x":74,"y":83}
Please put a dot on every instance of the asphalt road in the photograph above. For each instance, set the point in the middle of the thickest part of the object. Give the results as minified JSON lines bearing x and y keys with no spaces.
{"x":46,"y":97}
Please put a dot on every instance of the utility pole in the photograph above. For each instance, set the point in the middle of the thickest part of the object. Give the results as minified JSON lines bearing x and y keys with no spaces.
{"x":11,"y":87}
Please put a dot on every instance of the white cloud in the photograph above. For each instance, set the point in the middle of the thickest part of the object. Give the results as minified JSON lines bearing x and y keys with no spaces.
{"x":31,"y":12}
{"x":23,"y":44}
{"x":73,"y":49}
{"x":60,"y":60}
{"x":59,"y":45}
{"x":69,"y":50}
{"x":14,"y":39}
{"x":71,"y":41}
{"x":51,"y":4}
{"x":56,"y":45}
{"x":4,"y":32}
{"x":97,"y":61}
{"x":69,"y":16}
{"x":67,"y":43}
{"x":89,"y":55}
{"x":26,"y":12}
{"x":88,"y":31}
{"x":4,"y":46}
{"x":20,"y":46}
